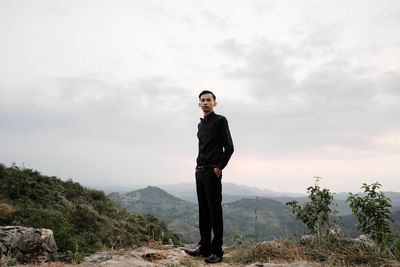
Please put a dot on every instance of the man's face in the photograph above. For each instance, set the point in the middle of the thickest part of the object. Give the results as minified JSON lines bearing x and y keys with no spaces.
{"x":207,"y":103}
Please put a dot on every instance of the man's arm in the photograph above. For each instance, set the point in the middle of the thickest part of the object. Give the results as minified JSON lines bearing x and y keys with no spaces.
{"x":227,"y":144}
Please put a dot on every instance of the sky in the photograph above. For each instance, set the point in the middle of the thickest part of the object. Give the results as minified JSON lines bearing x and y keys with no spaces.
{"x":106,"y":92}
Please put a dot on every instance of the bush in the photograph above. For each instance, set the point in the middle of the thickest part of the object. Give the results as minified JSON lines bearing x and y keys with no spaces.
{"x":316,"y":213}
{"x":54,"y":220}
{"x":372,"y":212}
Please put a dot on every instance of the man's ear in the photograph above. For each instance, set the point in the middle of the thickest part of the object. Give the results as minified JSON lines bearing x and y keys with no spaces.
{"x":199,"y":104}
{"x":215,"y":103}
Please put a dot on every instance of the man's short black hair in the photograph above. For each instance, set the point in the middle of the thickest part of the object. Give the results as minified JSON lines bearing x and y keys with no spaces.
{"x":207,"y":92}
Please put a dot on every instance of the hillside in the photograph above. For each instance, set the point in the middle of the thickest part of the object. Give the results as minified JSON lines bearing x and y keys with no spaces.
{"x":182,"y":216}
{"x":233,"y":192}
{"x":81,"y":219}
{"x":272,"y":219}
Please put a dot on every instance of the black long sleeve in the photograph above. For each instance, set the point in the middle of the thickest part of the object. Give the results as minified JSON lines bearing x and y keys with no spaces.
{"x":215,"y":141}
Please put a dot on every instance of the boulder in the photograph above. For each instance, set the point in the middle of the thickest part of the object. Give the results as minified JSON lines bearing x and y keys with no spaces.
{"x":27,"y":244}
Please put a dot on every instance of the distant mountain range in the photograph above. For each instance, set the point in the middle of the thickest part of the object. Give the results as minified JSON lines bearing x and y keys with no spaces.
{"x":182,"y":216}
{"x":232,"y":192}
{"x":273,"y":220}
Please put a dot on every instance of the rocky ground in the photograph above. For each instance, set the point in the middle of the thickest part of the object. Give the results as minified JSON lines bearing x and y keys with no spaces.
{"x":38,"y":245}
{"x":158,"y":257}
{"x":167,"y":256}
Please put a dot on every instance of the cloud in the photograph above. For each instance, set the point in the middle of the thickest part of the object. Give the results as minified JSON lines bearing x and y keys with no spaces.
{"x":93,"y":108}
{"x":90,"y":127}
{"x":334,"y":105}
{"x":265,"y":70}
{"x":215,"y":20}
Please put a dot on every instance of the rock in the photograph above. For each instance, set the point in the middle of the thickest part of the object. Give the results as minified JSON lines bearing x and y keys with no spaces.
{"x":143,"y":256}
{"x":364,"y":240}
{"x":28,"y":244}
{"x":335,"y":232}
{"x":163,"y":257}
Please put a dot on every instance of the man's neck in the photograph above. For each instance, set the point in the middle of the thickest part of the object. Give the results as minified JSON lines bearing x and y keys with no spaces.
{"x":208,"y":113}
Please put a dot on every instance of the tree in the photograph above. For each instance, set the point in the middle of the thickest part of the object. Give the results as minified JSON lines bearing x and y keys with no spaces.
{"x":316,"y":213}
{"x":372,"y":212}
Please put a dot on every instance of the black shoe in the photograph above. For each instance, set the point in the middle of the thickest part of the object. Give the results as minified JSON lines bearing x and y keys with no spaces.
{"x":197,"y":252}
{"x":213,"y":259}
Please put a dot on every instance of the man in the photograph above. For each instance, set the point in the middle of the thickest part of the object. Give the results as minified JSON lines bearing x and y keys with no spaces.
{"x":215,"y":150}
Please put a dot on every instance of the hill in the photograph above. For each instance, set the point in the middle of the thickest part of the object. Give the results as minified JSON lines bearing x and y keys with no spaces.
{"x":231,"y":192}
{"x":81,"y":219}
{"x":182,"y":216}
{"x":234,"y":192}
{"x":273,"y":220}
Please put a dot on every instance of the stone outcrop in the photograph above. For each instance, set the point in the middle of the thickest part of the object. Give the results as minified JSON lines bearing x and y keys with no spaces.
{"x":338,"y":237}
{"x":163,"y":257}
{"x":27,"y":244}
{"x":364,"y":240}
{"x":143,"y":256}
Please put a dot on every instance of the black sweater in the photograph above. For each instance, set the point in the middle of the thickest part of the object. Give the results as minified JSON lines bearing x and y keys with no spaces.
{"x":215,"y":141}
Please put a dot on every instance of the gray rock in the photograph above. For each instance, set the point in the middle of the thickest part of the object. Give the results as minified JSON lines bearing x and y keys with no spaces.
{"x":28,"y":244}
{"x":336,"y":232}
{"x":142,"y":256}
{"x":364,"y":240}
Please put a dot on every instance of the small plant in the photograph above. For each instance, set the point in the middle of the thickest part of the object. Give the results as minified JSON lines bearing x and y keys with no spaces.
{"x":255,"y":221}
{"x":7,"y":260}
{"x":70,"y":257}
{"x":316,"y":213}
{"x":237,"y":239}
{"x":396,"y":241}
{"x":372,"y":212}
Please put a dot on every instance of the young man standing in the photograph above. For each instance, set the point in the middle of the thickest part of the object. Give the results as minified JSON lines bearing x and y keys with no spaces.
{"x":215,"y":150}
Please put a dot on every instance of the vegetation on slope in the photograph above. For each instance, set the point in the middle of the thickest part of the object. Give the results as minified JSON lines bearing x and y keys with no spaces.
{"x":182,"y":216}
{"x":83,"y":220}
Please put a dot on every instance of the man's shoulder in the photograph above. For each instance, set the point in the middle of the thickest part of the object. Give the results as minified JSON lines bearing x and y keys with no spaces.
{"x":220,"y":117}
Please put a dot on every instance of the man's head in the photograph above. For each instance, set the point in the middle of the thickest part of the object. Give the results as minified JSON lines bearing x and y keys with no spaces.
{"x":207,"y":101}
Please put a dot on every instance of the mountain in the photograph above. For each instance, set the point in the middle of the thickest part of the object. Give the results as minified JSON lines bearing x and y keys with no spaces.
{"x":81,"y":219}
{"x":273,"y":220}
{"x":230,"y":192}
{"x":182,"y":216}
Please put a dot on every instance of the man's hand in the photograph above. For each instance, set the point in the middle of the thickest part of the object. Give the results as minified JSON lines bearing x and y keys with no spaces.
{"x":217,"y":172}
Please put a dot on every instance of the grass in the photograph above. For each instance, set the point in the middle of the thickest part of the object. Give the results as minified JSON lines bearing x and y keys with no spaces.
{"x":325,"y":253}
{"x":49,"y":264}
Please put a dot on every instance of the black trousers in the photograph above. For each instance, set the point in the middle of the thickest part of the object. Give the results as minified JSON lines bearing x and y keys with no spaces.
{"x":209,"y":196}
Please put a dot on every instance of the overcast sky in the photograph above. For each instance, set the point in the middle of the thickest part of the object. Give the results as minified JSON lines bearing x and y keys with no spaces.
{"x":106,"y":92}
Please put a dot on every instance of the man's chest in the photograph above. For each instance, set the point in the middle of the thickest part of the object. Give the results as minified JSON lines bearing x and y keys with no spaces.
{"x":208,"y":130}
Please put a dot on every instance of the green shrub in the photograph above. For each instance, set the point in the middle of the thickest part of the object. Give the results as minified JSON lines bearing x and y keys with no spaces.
{"x":315,"y":213}
{"x":372,"y":212}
